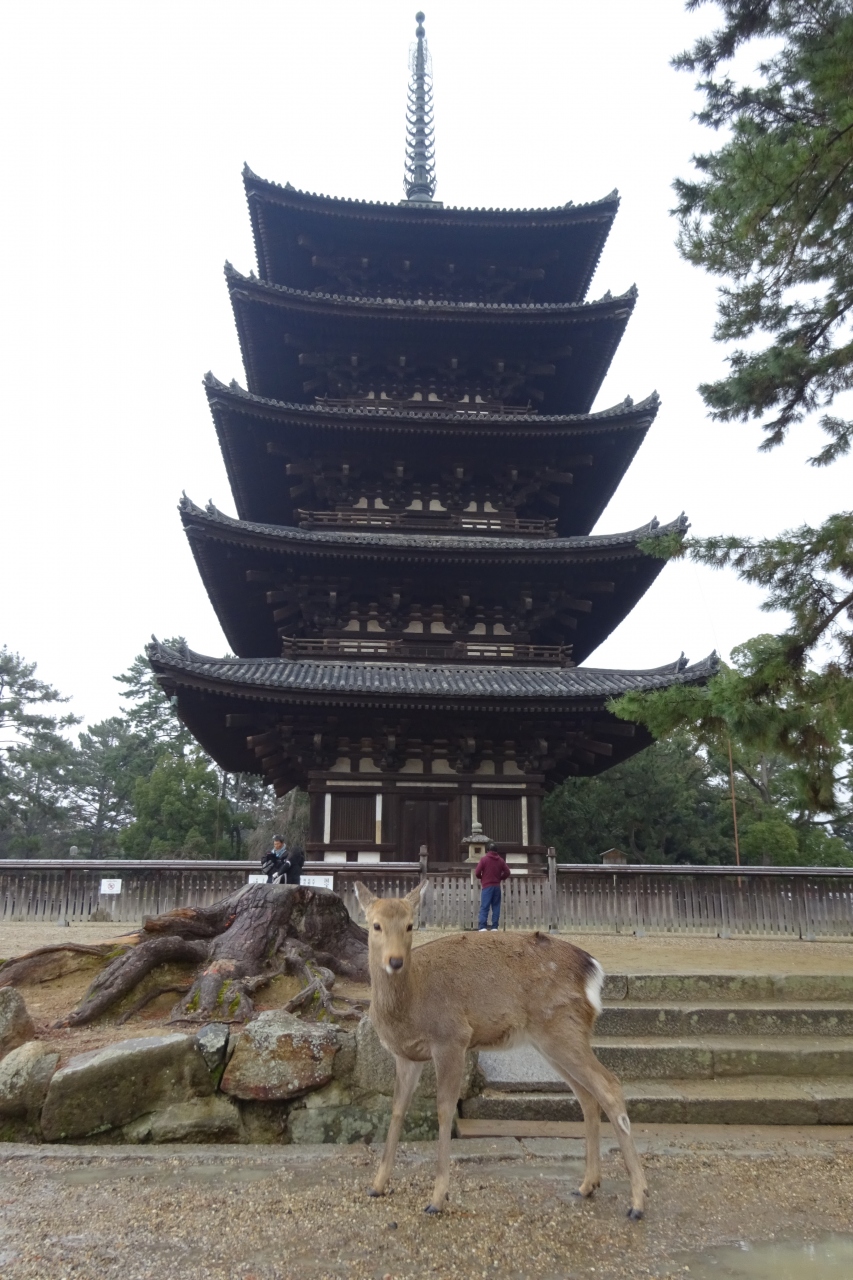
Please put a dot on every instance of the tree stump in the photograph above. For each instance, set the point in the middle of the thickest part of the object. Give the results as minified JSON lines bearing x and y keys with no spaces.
{"x":240,"y":943}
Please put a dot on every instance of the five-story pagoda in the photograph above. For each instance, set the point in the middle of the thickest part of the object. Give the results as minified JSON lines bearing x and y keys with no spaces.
{"x":411,"y":580}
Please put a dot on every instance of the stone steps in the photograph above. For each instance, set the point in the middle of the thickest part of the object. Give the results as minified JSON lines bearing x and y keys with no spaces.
{"x":700,"y":1048}
{"x":738,"y":1100}
{"x":709,"y":1018}
{"x":759,"y":987}
{"x":704,"y":1058}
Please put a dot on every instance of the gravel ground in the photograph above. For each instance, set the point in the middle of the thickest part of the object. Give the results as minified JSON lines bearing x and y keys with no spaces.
{"x":202,"y":1213}
{"x":619,"y":953}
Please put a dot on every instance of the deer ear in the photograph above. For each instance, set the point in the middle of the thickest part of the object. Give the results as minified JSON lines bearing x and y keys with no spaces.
{"x":416,"y":897}
{"x":365,"y":897}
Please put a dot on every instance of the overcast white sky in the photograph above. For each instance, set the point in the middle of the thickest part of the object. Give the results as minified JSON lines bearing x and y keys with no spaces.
{"x":125,"y":127}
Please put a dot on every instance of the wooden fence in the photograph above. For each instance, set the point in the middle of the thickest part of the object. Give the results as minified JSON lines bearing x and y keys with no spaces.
{"x":794,"y":902}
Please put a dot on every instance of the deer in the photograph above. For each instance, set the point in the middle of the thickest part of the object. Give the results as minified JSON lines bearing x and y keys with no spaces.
{"x":487,"y":991}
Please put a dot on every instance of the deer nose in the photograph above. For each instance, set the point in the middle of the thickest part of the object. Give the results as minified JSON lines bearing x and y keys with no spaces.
{"x":395,"y":962}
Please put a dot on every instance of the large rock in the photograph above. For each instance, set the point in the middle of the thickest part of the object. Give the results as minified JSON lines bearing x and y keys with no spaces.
{"x":336,"y":1114}
{"x":25,"y":1075}
{"x":375,"y":1069}
{"x":111,"y":1087}
{"x":280,"y":1056}
{"x":213,"y":1042}
{"x":213,"y":1119}
{"x":16,"y":1025}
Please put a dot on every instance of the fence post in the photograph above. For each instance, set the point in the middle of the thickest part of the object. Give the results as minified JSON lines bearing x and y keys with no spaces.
{"x":552,"y":887}
{"x":426,"y":901}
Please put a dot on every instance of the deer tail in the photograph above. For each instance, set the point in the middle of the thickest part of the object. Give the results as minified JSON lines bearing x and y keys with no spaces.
{"x":594,"y":983}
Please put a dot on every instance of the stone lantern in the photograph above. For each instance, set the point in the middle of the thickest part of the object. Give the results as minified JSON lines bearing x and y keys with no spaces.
{"x":476,"y":842}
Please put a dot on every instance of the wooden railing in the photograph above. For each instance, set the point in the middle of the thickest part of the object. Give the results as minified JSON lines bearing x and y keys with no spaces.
{"x":793,"y":902}
{"x":490,"y":651}
{"x":425,"y":522}
{"x":393,"y":404}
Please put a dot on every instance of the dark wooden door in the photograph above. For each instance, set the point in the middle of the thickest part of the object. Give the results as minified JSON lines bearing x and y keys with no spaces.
{"x":426,"y":822}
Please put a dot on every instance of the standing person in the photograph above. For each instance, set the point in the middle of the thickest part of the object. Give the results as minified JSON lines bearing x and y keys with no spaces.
{"x":491,"y":871}
{"x":275,"y":861}
{"x":293,"y":864}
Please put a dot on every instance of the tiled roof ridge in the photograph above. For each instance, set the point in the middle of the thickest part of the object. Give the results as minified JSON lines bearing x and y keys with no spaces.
{"x":624,"y":407}
{"x":288,"y":188}
{"x":235,"y":277}
{"x":428,"y":678}
{"x":440,"y":541}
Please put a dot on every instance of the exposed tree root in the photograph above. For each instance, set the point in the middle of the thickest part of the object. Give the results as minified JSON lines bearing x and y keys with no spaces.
{"x":48,"y":963}
{"x":242,"y":943}
{"x":146,"y":999}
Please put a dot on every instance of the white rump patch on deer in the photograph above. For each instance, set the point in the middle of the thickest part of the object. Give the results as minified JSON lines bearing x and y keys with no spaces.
{"x":594,"y":983}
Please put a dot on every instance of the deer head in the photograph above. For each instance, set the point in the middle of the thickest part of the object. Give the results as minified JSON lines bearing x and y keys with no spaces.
{"x":389,"y":927}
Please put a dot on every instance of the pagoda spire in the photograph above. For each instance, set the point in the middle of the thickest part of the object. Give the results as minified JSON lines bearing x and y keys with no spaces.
{"x":419,"y":178}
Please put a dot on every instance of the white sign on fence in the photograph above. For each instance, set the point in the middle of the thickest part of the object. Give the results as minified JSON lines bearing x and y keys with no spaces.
{"x":318,"y":882}
{"x":257,"y":879}
{"x":110,"y":886}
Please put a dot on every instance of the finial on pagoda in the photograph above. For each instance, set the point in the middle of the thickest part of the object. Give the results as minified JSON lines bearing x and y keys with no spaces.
{"x":420,"y":140}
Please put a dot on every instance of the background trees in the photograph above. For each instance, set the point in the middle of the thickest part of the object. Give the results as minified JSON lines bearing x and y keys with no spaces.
{"x":135,"y":785}
{"x":36,"y":758}
{"x":771,"y":212}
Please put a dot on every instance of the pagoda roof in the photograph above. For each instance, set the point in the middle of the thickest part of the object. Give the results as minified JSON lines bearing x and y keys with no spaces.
{"x":226,"y":550}
{"x":430,"y":546}
{"x":278,"y":325}
{"x":219,"y":699}
{"x":574,"y":233}
{"x":250,"y":427}
{"x":409,"y":680}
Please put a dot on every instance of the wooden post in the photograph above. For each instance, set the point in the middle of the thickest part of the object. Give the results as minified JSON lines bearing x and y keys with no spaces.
{"x":423,"y":858}
{"x":552,"y":887}
{"x":734,"y":804}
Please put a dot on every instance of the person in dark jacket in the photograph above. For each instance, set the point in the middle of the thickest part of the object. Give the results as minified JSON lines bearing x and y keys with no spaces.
{"x":491,"y":871}
{"x":293,"y":864}
{"x":274,"y":863}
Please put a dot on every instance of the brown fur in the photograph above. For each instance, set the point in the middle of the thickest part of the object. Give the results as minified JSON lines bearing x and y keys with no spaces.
{"x":486,"y":991}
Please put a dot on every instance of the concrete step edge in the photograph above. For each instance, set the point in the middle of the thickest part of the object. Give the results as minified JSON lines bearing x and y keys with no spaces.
{"x":758,"y":1100}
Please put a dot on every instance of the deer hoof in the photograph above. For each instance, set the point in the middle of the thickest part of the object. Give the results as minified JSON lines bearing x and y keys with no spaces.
{"x":373,"y":1192}
{"x":431,"y":1209}
{"x":635,"y":1214}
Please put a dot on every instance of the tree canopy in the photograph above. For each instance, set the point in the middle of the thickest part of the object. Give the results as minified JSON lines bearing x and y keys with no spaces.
{"x":771,"y":211}
{"x":135,"y":785}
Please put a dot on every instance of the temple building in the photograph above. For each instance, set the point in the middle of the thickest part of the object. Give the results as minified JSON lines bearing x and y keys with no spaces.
{"x":410,"y":585}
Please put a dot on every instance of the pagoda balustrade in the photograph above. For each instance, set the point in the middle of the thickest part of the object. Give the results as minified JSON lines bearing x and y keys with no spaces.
{"x":458,"y":651}
{"x":422,"y":521}
{"x":470,"y":407}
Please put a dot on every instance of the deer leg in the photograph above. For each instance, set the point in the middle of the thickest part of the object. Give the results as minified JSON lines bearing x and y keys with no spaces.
{"x":405,"y":1083}
{"x":592,"y":1136}
{"x":577,"y":1063}
{"x":449,"y":1069}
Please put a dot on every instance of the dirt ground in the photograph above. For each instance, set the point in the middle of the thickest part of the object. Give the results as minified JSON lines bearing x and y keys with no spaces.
{"x":284,"y":1213}
{"x":622,"y":953}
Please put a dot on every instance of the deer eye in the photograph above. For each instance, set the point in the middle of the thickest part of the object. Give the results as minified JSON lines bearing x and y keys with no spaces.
{"x":378,"y":928}
{"x":408,"y":928}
